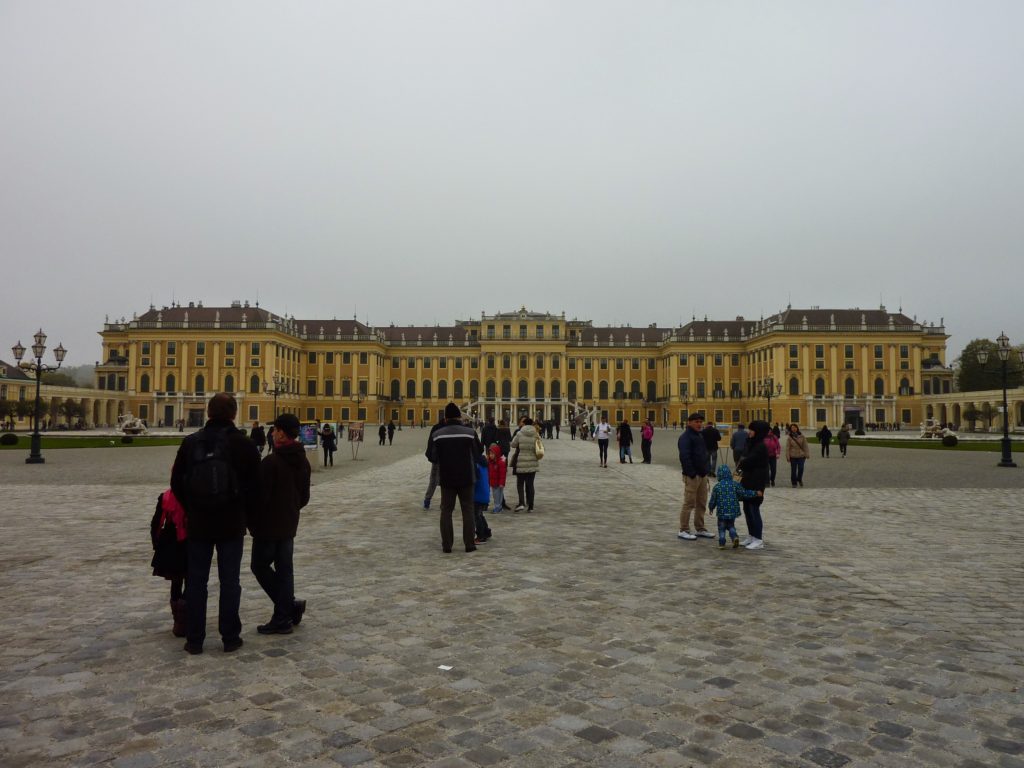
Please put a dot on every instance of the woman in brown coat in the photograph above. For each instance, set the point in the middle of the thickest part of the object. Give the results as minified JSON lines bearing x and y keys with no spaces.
{"x":797,"y":452}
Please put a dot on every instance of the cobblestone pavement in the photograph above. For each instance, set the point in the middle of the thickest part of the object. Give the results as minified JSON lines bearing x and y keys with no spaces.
{"x":880,"y":626}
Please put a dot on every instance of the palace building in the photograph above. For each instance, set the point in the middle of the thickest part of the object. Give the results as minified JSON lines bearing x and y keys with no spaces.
{"x":809,"y":366}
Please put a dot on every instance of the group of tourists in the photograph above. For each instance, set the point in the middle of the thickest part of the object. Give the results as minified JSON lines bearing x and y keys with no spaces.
{"x":473,"y":469}
{"x":220,"y":488}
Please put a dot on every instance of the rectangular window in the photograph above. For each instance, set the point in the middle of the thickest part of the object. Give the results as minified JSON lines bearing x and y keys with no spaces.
{"x":396,"y":362}
{"x":556,"y":332}
{"x":254,"y":362}
{"x":588,"y":363}
{"x":490,"y":331}
{"x":684,"y":359}
{"x":506,"y":331}
{"x":522,"y":331}
{"x":145,"y":348}
{"x":905,"y":415}
{"x":556,"y":362}
{"x":736,"y":416}
{"x":311,"y":414}
{"x":229,"y":348}
{"x":346,"y":388}
{"x":618,"y":416}
{"x":171,"y":362}
{"x":819,"y":415}
{"x":329,"y":358}
{"x":819,"y":350}
{"x":229,"y":362}
{"x":819,"y":364}
{"x":311,"y":387}
{"x":329,"y":387}
{"x":684,"y":388}
{"x":172,"y":347}
{"x":636,"y":363}
{"x":344,"y":415}
{"x":328,"y":414}
{"x":879,"y":351}
{"x":651,"y":364}
{"x":700,"y":359}
{"x":719,"y":416}
{"x":904,"y":350}
{"x":346,"y":358}
{"x":735,"y":360}
{"x":410,"y":363}
{"x":794,"y":350}
{"x":362,"y":414}
{"x":442,"y":362}
{"x":311,"y":358}
{"x":879,"y":365}
{"x":604,"y":363}
{"x":572,"y":363}
{"x":474,"y":363}
{"x":540,"y":331}
{"x":458,"y":363}
{"x":794,"y":364}
{"x":618,"y":363}
{"x":700,"y":389}
{"x":718,"y":358}
{"x":255,"y":349}
{"x":794,"y":415}
{"x":848,"y":350}
{"x":200,"y":362}
{"x":364,"y":387}
{"x":200,"y":349}
{"x":426,"y":363}
{"x":880,"y":415}
{"x":363,"y":358}
{"x":904,"y":365}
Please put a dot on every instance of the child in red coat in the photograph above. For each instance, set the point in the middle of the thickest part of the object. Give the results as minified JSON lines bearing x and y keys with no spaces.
{"x":496,"y":471}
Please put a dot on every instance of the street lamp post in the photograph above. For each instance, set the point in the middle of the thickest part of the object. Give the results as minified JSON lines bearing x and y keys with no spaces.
{"x":35,"y":456}
{"x":768,"y":390}
{"x":1003,"y":350}
{"x":279,"y":388}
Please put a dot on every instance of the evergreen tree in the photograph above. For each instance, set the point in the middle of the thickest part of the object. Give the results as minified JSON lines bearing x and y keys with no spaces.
{"x":972,"y":376}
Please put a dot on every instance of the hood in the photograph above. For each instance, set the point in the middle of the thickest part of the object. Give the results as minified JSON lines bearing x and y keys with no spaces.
{"x":724,"y":474}
{"x":528,"y":430}
{"x":495,"y":450}
{"x":760,"y":429}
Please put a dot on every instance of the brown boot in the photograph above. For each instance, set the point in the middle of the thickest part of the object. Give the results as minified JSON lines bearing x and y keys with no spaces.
{"x":178,"y":612}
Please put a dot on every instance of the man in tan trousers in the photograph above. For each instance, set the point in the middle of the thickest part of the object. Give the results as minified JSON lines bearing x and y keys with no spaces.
{"x":693,"y":456}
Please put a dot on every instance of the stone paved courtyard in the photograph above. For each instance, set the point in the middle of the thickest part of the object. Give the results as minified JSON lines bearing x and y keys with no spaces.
{"x":882,"y":625}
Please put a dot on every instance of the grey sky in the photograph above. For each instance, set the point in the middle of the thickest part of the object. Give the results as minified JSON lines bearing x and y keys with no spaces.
{"x":419,"y":162}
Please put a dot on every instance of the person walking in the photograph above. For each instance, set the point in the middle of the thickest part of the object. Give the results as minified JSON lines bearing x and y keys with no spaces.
{"x":738,"y":443}
{"x":391,"y":432}
{"x":382,"y":434}
{"x":712,"y":437}
{"x":572,"y":429}
{"x":454,"y":448}
{"x":825,"y":437}
{"x":646,"y":438}
{"x":843,"y":439}
{"x":724,"y":502}
{"x":258,"y":436}
{"x":328,"y":441}
{"x":285,"y":481}
{"x":755,"y":478}
{"x":797,"y":452}
{"x":771,"y":442}
{"x":624,"y":435}
{"x":693,"y":457}
{"x":216,"y":479}
{"x":525,"y":463}
{"x":497,"y":470}
{"x":603,"y":433}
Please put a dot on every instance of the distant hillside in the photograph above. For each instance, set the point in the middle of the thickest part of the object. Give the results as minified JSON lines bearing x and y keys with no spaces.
{"x":83,"y":375}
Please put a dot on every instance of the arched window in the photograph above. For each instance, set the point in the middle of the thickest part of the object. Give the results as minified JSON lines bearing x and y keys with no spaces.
{"x":538,"y":389}
{"x":620,"y":387}
{"x":442,"y":389}
{"x":410,"y":388}
{"x":396,"y":389}
{"x":490,"y":388}
{"x":794,"y":386}
{"x":254,"y":384}
{"x":474,"y":389}
{"x":506,"y":389}
{"x":879,"y":387}
{"x":819,"y":386}
{"x":200,"y":384}
{"x":904,"y":386}
{"x":170,"y":382}
{"x":144,"y":383}
{"x":850,"y":389}
{"x":524,"y":389}
{"x":634,"y":388}
{"x":229,"y":383}
{"x":652,"y":391}
{"x":588,"y":390}
{"x":602,"y":390}
{"x":556,"y":389}
{"x":458,"y":389}
{"x":427,"y":389}
{"x":572,"y":390}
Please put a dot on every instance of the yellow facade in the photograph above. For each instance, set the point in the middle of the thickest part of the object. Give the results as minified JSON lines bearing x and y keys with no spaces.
{"x":831,"y":365}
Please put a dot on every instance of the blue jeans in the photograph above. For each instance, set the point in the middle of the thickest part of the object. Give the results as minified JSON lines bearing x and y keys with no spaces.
{"x":726,"y":525}
{"x":278,"y":582}
{"x":752,"y":514}
{"x":796,"y":470}
{"x":624,"y":451}
{"x":498,"y":496}
{"x":229,"y":563}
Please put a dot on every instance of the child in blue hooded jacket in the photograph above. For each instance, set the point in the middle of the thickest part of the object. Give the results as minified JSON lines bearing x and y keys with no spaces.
{"x":724,"y":502}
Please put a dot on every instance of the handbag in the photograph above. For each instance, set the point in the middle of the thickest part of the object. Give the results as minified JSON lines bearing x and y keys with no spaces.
{"x":538,"y":448}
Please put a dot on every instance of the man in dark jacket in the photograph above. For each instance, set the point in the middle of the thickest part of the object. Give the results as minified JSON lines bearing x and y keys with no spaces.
{"x":285,"y":474}
{"x":258,"y":436}
{"x":712,"y":437}
{"x":693,"y":456}
{"x":216,"y":478}
{"x":625,"y":438}
{"x":489,"y":434}
{"x":454,"y":449}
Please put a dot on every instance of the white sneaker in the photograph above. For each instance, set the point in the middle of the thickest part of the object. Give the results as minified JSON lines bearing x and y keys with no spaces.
{"x":745,"y":540}
{"x":755,"y":544}
{"x":686,"y":535}
{"x":519,"y":508}
{"x":706,"y":534}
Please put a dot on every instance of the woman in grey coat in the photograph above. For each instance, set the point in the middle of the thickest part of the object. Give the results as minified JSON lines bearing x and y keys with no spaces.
{"x":525,"y":463}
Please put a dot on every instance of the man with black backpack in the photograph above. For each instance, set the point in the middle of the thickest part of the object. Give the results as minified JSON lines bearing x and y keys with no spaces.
{"x":216,"y":478}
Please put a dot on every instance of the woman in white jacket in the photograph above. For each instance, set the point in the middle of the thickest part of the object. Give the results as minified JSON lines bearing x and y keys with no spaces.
{"x":525,"y":463}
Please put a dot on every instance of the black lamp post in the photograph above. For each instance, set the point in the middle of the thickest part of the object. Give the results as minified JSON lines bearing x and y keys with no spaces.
{"x":1003,"y":350}
{"x":768,"y":390}
{"x":35,"y":456}
{"x":279,"y":388}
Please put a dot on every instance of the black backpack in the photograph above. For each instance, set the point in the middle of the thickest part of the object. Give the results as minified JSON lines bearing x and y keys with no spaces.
{"x":211,"y":481}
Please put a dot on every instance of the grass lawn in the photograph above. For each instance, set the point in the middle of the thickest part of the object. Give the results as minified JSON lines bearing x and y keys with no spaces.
{"x":90,"y":441}
{"x":935,"y":444}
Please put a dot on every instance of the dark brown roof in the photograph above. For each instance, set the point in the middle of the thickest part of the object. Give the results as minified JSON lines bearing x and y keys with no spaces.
{"x":618,"y":334}
{"x":413,"y":333}
{"x":207,"y":314}
{"x":331,"y":327}
{"x":8,"y":371}
{"x":843,"y":317}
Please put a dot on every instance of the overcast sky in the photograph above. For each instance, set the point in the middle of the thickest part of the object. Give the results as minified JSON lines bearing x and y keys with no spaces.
{"x":421,"y":162}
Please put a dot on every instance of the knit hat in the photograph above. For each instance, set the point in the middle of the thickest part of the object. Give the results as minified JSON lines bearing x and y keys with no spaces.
{"x":451,"y":411}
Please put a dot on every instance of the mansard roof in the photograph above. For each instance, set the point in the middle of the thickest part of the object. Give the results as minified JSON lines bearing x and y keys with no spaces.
{"x":198,"y":313}
{"x":818,"y":316}
{"x":331,"y":327}
{"x":620,"y":334}
{"x":395,"y":334}
{"x":9,"y":371}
